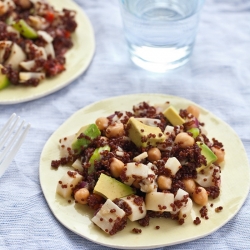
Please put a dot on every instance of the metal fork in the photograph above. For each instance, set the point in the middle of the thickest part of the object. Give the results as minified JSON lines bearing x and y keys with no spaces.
{"x":12,"y":136}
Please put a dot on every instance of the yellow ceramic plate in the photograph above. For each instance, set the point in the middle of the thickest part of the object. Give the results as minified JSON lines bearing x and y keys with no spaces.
{"x":77,"y":60}
{"x":77,"y":217}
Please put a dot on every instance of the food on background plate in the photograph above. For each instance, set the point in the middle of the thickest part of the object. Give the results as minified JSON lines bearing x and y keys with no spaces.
{"x":151,"y":162}
{"x":34,"y":38}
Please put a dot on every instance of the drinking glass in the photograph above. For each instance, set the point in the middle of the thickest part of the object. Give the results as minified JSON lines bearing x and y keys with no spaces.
{"x":160,"y":33}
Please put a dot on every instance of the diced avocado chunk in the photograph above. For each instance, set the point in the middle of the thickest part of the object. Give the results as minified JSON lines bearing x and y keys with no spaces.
{"x":111,"y":188}
{"x":143,"y":135}
{"x":172,"y":115}
{"x":194,"y":131}
{"x":4,"y":80}
{"x":96,"y":156}
{"x":24,"y":29}
{"x":207,"y":152}
{"x":91,"y":132}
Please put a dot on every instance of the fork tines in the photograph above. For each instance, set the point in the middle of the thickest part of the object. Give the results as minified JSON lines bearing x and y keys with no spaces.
{"x":11,"y":137}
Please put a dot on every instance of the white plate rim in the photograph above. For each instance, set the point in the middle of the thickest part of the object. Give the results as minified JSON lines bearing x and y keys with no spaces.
{"x":112,"y":241}
{"x":25,"y":94}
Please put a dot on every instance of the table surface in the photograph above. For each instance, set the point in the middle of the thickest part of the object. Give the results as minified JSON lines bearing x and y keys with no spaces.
{"x":217,"y":78}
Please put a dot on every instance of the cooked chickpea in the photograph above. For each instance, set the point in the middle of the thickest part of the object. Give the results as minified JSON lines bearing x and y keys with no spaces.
{"x":82,"y":195}
{"x":25,"y":4}
{"x":115,"y":130}
{"x":164,"y":182}
{"x":200,"y":196}
{"x":184,"y":139}
{"x":220,"y":153}
{"x":190,"y":185}
{"x":102,"y":122}
{"x":116,"y":167}
{"x":2,"y":11}
{"x":154,"y":154}
{"x":193,"y":110}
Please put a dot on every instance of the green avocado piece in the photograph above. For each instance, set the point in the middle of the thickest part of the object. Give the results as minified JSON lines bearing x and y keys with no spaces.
{"x":194,"y":131}
{"x":4,"y":80}
{"x":207,"y":152}
{"x":24,"y":29}
{"x":141,"y":134}
{"x":172,"y":115}
{"x":110,"y":188}
{"x":96,"y":156}
{"x":90,"y":131}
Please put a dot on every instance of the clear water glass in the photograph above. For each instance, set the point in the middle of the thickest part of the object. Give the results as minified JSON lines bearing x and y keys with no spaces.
{"x":160,"y":33}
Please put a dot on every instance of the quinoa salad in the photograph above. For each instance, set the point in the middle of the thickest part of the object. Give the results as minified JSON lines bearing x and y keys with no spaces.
{"x":152,"y":162}
{"x":34,"y":38}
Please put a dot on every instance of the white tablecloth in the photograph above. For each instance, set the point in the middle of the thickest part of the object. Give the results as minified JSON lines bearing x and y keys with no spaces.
{"x":217,"y":78}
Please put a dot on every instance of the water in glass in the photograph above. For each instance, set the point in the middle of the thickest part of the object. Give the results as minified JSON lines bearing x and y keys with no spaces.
{"x":160,"y":33}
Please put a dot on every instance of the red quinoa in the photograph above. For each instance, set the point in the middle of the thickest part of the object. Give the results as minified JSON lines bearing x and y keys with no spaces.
{"x":136,"y":230}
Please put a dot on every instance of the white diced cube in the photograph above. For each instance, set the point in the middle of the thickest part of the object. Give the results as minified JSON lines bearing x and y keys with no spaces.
{"x":77,"y":165}
{"x":186,"y":210}
{"x":159,"y":201}
{"x":151,"y":166}
{"x":65,"y":146}
{"x":173,"y":164}
{"x":68,"y":181}
{"x":181,"y":196}
{"x":140,"y":157}
{"x":149,"y":121}
{"x":168,"y":130}
{"x":107,"y":216}
{"x":138,"y":212}
{"x":135,"y":170}
{"x":209,"y":176}
{"x":149,"y":183}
